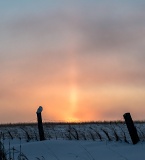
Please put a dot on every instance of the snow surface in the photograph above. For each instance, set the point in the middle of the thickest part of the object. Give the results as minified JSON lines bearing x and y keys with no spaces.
{"x":82,"y":150}
{"x":62,"y":143}
{"x":40,"y":109}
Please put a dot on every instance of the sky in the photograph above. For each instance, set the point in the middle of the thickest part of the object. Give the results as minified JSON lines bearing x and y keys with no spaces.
{"x":81,"y":60}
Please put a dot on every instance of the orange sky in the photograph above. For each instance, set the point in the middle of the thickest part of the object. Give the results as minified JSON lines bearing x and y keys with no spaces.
{"x":81,"y":61}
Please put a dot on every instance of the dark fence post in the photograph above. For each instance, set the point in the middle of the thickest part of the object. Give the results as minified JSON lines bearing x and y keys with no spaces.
{"x":40,"y":125}
{"x":131,"y":128}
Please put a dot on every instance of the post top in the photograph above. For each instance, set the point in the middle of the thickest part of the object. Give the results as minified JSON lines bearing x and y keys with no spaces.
{"x":126,"y":114}
{"x":40,"y":109}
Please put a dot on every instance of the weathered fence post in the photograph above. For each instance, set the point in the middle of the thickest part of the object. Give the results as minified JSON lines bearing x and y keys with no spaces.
{"x":131,"y":128}
{"x":40,"y":125}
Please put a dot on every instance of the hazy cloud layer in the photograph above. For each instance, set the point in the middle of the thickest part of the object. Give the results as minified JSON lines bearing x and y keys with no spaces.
{"x":49,"y":46}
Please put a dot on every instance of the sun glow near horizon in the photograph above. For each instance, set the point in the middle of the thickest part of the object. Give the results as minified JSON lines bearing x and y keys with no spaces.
{"x":73,"y":88}
{"x":73,"y":99}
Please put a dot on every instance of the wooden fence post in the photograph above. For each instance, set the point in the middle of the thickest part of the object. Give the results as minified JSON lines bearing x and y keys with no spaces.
{"x":40,"y":125}
{"x":131,"y":128}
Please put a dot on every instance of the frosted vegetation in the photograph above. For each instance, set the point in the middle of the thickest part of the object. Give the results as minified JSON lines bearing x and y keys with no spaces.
{"x":21,"y":141}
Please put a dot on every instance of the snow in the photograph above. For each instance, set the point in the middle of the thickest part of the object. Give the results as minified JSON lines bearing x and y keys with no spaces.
{"x":63,"y":144}
{"x":40,"y":109}
{"x":82,"y":150}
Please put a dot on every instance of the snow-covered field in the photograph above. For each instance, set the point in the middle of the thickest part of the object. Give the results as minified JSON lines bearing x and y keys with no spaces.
{"x":96,"y":141}
{"x":82,"y":150}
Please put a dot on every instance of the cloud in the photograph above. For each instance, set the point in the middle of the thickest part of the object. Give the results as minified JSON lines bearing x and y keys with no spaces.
{"x":100,"y":38}
{"x":47,"y":49}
